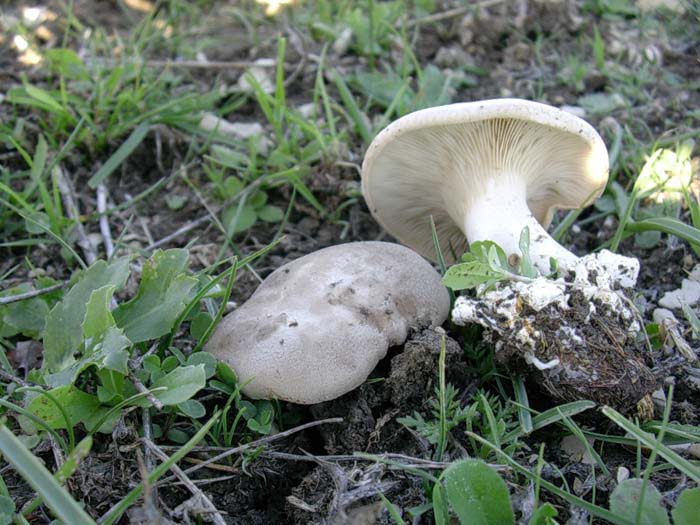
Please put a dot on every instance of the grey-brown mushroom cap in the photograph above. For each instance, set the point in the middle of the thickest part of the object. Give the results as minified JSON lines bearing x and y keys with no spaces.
{"x":433,"y":162}
{"x":317,"y":326}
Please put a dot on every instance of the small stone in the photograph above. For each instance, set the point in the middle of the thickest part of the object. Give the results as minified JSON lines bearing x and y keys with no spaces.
{"x":622,"y":474}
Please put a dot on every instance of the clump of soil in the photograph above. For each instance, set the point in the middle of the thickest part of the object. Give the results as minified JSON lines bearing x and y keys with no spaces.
{"x":601,"y":360}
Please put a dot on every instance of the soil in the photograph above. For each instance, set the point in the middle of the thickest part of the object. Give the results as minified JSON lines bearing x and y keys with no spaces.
{"x":314,"y":478}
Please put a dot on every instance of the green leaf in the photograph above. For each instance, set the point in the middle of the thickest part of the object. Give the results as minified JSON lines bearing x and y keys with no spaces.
{"x":440,"y":505}
{"x":270,"y":213}
{"x":66,"y":62}
{"x":199,"y":325}
{"x":526,"y":267}
{"x":192,"y":408}
{"x":182,"y":383}
{"x":63,"y":334}
{"x":627,"y":497}
{"x":80,"y":406}
{"x":164,"y":292}
{"x":26,"y":317}
{"x":7,"y":510}
{"x":666,"y":225}
{"x":544,"y":515}
{"x":45,"y":98}
{"x":35,"y":473}
{"x":686,"y":510}
{"x":237,"y":219}
{"x":206,"y":359}
{"x":477,"y":494}
{"x":37,"y":223}
{"x":119,"y":156}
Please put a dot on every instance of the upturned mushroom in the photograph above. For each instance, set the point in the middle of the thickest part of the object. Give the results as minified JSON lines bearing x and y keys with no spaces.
{"x":484,"y":171}
{"x":317,"y":326}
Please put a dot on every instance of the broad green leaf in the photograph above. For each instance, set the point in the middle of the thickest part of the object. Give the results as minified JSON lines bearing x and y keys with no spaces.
{"x":26,"y":317}
{"x":199,"y":325}
{"x":164,"y":292}
{"x":238,"y":218}
{"x":206,"y":359}
{"x":63,"y":334}
{"x":80,"y":406}
{"x":37,"y":223}
{"x":627,"y":497}
{"x":687,"y":509}
{"x":182,"y":383}
{"x":105,"y":345}
{"x":477,"y":494}
{"x":192,"y":408}
{"x":433,"y":89}
{"x":7,"y":510}
{"x":270,"y":213}
{"x":98,"y":317}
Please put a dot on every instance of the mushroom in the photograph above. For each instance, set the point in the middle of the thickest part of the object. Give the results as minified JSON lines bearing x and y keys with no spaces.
{"x":484,"y":171}
{"x":317,"y":326}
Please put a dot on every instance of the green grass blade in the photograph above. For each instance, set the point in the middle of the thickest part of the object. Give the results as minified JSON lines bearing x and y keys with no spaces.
{"x":551,"y":416}
{"x":650,"y":441}
{"x":352,"y":108}
{"x":126,"y":149}
{"x":524,"y":415}
{"x":592,"y":509}
{"x":65,"y":471}
{"x":37,"y":475}
{"x":667,"y":225}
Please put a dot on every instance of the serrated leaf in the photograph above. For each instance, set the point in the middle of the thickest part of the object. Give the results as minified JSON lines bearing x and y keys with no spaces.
{"x":626,"y":499}
{"x":477,"y":494}
{"x":164,"y":292}
{"x":471,"y":274}
{"x":63,"y":334}
{"x":182,"y":383}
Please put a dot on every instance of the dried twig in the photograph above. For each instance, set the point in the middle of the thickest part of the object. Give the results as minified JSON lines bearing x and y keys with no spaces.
{"x":28,"y":295}
{"x":143,"y":390}
{"x":260,"y":442}
{"x":104,"y":220}
{"x":69,"y":201}
{"x":214,"y":514}
{"x":452,"y":13}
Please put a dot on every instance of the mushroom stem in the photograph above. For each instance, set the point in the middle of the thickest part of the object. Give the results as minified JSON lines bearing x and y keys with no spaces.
{"x":501,"y":212}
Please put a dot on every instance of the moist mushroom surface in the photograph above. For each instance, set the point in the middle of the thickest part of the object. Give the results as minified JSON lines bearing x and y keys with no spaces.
{"x":317,"y":326}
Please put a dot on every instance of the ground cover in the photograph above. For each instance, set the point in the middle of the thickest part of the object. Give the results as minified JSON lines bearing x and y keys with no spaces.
{"x":159,"y":159}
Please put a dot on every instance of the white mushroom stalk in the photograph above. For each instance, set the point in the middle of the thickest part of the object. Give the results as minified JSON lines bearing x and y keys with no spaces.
{"x":501,"y":212}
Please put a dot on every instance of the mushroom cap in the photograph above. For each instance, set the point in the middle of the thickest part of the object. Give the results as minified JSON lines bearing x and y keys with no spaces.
{"x":317,"y":326}
{"x":435,"y":162}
